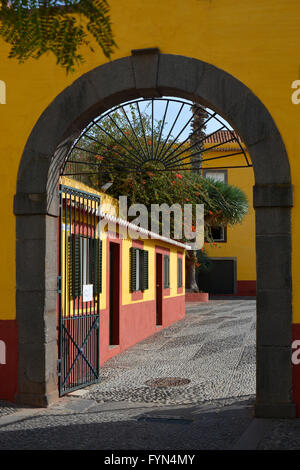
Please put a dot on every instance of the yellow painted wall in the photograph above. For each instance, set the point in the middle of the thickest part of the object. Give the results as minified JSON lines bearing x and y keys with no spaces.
{"x":241,"y":237}
{"x":149,"y":294}
{"x":257,"y":42}
{"x":107,"y":202}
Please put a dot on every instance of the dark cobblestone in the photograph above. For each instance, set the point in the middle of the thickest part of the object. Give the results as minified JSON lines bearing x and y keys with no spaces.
{"x":7,"y":408}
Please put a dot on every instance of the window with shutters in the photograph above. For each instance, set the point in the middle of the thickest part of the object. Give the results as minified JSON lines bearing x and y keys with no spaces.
{"x":218,"y":234}
{"x":166,"y":271}
{"x":179,"y":271}
{"x":138,"y":269}
{"x":85,"y":264}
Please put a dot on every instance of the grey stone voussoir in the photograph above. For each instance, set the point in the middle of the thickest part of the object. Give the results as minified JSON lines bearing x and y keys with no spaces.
{"x":148,"y":73}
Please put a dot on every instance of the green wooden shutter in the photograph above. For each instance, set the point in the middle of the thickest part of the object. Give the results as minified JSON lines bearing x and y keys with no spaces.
{"x":179,"y":272}
{"x":76,"y":266}
{"x":95,"y":264}
{"x":98,"y":266}
{"x":92,"y":261}
{"x":133,"y":269}
{"x":69,"y":261}
{"x":166,"y":271}
{"x":145,"y":281}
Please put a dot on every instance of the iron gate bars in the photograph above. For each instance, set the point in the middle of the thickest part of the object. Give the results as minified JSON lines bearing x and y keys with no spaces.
{"x":79,"y":289}
{"x":166,"y":132}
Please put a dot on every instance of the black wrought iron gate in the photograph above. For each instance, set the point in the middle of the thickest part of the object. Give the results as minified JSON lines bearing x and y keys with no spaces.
{"x":79,"y":289}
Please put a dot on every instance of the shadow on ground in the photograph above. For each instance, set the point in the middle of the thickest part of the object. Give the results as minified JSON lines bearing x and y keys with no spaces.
{"x":211,"y":426}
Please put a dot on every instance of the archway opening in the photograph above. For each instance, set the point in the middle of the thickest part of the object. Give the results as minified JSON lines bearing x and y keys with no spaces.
{"x":151,"y":151}
{"x":150,"y":74}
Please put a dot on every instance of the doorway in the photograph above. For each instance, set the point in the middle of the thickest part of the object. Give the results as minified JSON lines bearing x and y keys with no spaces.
{"x":159,"y":289}
{"x":114,"y":294}
{"x":36,"y":207}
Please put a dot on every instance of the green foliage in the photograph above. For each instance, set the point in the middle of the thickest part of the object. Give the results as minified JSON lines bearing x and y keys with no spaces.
{"x":108,"y":148}
{"x":203,"y":262}
{"x":222,"y":206}
{"x":35,"y":27}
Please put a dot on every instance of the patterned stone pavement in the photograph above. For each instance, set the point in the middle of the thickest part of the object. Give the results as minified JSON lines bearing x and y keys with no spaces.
{"x":7,"y":408}
{"x":213,"y":348}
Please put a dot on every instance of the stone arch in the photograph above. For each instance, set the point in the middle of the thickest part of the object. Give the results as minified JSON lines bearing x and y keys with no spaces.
{"x":147,"y":73}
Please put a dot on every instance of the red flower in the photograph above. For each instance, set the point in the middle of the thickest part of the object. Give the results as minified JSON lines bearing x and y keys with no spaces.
{"x":99,"y":157}
{"x":149,"y":142}
{"x":173,"y":182}
{"x":210,"y":212}
{"x":214,"y":244}
{"x":187,"y":199}
{"x":179,"y":176}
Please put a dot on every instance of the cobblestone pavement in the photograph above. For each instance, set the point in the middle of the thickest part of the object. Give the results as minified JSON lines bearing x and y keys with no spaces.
{"x":7,"y":408}
{"x":213,"y":347}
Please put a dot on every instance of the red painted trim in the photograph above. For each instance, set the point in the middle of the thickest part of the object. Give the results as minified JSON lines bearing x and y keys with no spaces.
{"x":158,"y":288}
{"x":137,"y":295}
{"x":118,"y":284}
{"x":196,"y":297}
{"x":164,"y":251}
{"x":246,"y":288}
{"x":138,"y":244}
{"x":8,"y":369}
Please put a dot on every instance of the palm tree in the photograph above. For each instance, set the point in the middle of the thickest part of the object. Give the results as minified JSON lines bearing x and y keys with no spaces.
{"x":197,"y":134}
{"x":197,"y":137}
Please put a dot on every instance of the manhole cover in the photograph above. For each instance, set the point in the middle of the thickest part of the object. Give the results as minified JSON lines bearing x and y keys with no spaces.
{"x":167,"y":382}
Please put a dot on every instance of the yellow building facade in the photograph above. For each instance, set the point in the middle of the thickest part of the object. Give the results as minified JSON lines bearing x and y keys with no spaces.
{"x":239,"y":59}
{"x":235,"y":243}
{"x":108,"y":298}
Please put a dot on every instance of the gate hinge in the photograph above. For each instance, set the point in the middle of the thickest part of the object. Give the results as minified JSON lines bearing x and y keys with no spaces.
{"x":59,"y":284}
{"x":59,"y":367}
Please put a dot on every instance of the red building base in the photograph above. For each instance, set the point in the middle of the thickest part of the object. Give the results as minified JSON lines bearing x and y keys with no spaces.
{"x":247,"y":288}
{"x":137,"y":322}
{"x":8,"y":359}
{"x":196,"y":297}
